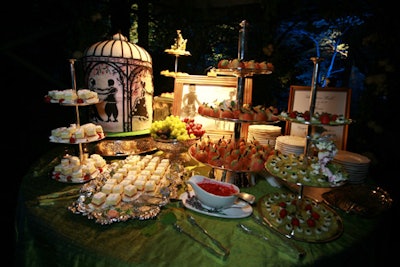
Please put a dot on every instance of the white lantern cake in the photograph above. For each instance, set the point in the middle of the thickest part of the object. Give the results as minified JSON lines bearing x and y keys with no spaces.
{"x":121,"y":74}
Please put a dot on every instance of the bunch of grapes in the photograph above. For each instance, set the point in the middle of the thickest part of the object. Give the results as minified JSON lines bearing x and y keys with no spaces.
{"x":172,"y":127}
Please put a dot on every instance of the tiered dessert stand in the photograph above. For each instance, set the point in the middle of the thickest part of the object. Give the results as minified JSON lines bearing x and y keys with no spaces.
{"x":80,"y":142}
{"x":238,"y":177}
{"x":302,"y":203}
{"x":312,"y":126}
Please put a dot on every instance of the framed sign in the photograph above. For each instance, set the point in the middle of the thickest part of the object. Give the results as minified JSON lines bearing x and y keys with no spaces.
{"x":190,"y":91}
{"x":331,"y":100}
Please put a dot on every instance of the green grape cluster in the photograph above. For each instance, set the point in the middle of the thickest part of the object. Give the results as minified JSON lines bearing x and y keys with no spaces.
{"x":172,"y":127}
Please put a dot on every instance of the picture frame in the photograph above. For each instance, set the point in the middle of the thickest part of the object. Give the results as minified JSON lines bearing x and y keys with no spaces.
{"x":328,"y":99}
{"x":210,"y":90}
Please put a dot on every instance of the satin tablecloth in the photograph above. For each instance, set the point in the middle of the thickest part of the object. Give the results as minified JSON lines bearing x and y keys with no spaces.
{"x":51,"y":235}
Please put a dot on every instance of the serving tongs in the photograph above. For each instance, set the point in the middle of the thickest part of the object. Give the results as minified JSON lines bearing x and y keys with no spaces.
{"x":222,"y":251}
{"x":50,"y":199}
{"x":287,"y":239}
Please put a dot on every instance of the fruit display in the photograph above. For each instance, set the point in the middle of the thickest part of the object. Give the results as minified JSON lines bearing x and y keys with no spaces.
{"x":301,"y":219}
{"x":229,"y":110}
{"x":70,"y":96}
{"x":173,"y":127}
{"x":249,"y":64}
{"x":317,"y":172}
{"x":324,"y":118}
{"x":226,"y":154}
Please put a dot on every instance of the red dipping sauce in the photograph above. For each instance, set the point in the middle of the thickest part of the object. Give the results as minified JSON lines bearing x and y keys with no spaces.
{"x":218,"y":189}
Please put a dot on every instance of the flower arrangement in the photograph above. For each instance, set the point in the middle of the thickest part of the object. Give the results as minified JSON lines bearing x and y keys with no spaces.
{"x":326,"y":150}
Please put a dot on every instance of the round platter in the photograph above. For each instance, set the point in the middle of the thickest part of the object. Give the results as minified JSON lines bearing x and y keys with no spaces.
{"x":242,"y":72}
{"x":239,"y":210}
{"x":173,"y":145}
{"x":74,"y":103}
{"x":301,"y":219}
{"x":123,"y":148}
{"x":351,"y":157}
{"x":85,"y":140}
{"x":68,"y":178}
{"x":273,"y":121}
{"x":361,"y":199}
{"x":292,"y":170}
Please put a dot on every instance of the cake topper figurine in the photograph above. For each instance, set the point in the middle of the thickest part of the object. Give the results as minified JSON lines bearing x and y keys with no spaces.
{"x":180,"y":42}
{"x":179,"y":47}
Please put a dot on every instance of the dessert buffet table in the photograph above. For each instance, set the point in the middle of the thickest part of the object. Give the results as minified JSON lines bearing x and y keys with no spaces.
{"x":49,"y":234}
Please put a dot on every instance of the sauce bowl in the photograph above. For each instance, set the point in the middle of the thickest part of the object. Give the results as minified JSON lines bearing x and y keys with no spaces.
{"x":212,"y":193}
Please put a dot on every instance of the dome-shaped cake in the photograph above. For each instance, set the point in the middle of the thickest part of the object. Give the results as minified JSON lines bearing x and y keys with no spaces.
{"x":121,"y":74}
{"x":118,"y":46}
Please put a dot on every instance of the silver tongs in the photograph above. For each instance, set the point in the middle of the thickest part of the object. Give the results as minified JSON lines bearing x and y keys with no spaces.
{"x":204,"y":231}
{"x":299,"y":252}
{"x":286,"y":238}
{"x":222,"y":251}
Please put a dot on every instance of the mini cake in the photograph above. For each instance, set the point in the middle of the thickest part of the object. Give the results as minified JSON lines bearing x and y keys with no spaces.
{"x":132,"y":173}
{"x":113,"y":199}
{"x":65,"y":162}
{"x":99,"y":130}
{"x":67,"y":170}
{"x":141,"y":165}
{"x":99,"y":161}
{"x":133,"y":159}
{"x":123,"y":171}
{"x":128,"y":166}
{"x":90,"y":129}
{"x":112,"y":181}
{"x":150,"y":186}
{"x":159,"y":171}
{"x":145,"y":173}
{"x":78,"y":174}
{"x":67,"y":133}
{"x":136,"y":168}
{"x":139,"y":184}
{"x":70,"y":95}
{"x":155,"y":178}
{"x":79,"y":133}
{"x":125,"y":182}
{"x":150,"y":167}
{"x":118,"y":188}
{"x":107,"y":188}
{"x":130,"y":190}
{"x":87,"y":96}
{"x":99,"y":198}
{"x":118,"y":176}
{"x":165,"y":161}
{"x":131,"y":176}
{"x":89,"y":168}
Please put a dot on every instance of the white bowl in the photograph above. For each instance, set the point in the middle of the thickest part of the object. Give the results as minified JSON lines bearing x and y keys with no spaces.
{"x":219,"y":194}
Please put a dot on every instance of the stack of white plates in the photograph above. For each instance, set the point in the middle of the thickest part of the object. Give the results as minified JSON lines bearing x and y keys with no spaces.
{"x":356,"y":165}
{"x":290,"y":144}
{"x":265,"y":134}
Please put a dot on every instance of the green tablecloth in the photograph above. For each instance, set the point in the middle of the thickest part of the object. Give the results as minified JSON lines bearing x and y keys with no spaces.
{"x":53,"y":236}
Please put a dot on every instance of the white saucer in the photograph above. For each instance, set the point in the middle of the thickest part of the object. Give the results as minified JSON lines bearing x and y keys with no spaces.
{"x":240,"y":210}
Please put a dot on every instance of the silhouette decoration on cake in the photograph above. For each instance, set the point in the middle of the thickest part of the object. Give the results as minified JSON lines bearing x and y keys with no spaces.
{"x":121,"y":73}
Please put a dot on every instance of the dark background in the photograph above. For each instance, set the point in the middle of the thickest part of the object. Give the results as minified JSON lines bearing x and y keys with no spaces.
{"x":40,"y":36}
